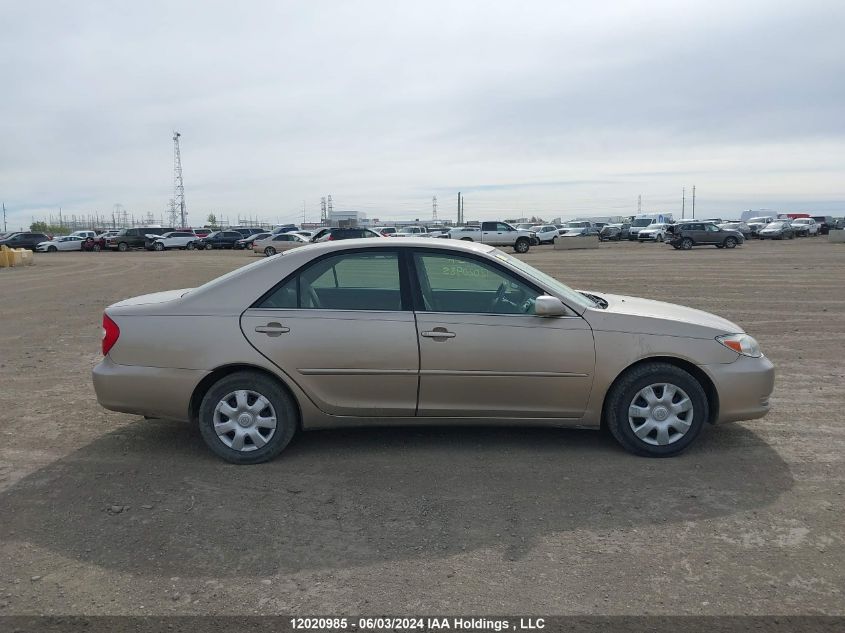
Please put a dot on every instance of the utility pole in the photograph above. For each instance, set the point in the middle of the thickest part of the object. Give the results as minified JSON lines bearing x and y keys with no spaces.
{"x":178,"y":184}
{"x":434,"y":209}
{"x":693,"y":202}
{"x":303,"y":211}
{"x":329,"y":207}
{"x":683,"y":201}
{"x":323,"y":213}
{"x":4,"y":217}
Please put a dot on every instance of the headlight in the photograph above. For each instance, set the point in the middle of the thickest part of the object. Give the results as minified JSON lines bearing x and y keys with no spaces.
{"x":741,"y":344}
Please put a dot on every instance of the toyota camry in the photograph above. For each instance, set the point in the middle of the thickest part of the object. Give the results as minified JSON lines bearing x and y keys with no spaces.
{"x":361,"y":333}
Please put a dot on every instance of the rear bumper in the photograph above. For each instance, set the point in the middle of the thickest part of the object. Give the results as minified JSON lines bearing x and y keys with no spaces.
{"x":744,"y":387}
{"x":151,"y":391}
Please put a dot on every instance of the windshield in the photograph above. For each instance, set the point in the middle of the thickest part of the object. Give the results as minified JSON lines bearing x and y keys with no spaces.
{"x":774,"y":225}
{"x":641,"y":222}
{"x":569,"y":295}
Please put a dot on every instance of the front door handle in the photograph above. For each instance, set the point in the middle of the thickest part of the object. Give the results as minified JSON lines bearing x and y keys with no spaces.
{"x":272,"y":329}
{"x":438,"y":332}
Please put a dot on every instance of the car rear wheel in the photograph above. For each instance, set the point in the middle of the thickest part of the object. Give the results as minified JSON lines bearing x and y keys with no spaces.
{"x":730,"y":242}
{"x":158,"y":246}
{"x":123,"y":247}
{"x":269,"y":251}
{"x":190,"y":246}
{"x":209,"y":246}
{"x":522,"y":245}
{"x":656,"y":410}
{"x":247,"y":418}
{"x":686,"y":243}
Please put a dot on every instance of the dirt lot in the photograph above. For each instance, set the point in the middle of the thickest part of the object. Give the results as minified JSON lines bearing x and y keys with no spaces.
{"x":426,"y":520}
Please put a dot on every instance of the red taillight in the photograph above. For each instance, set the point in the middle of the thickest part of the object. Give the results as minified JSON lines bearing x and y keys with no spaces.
{"x":330,"y":238}
{"x":110,"y":334}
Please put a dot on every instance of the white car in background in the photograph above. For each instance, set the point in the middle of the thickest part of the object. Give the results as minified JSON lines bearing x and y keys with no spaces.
{"x":172,"y":239}
{"x":279,"y":243}
{"x":546,"y":233}
{"x":805,"y":226}
{"x":653,"y":233}
{"x":84,"y":234}
{"x":61,"y":243}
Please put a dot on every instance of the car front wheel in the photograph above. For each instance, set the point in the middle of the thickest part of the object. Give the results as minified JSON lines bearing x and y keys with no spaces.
{"x":247,"y":418}
{"x":209,"y":246}
{"x":269,"y":251}
{"x":656,"y":410}
{"x":158,"y":246}
{"x":522,"y":245}
{"x":123,"y":247}
{"x":730,"y":242}
{"x":686,"y":243}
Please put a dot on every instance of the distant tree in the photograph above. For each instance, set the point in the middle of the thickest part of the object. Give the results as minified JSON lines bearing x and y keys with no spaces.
{"x":49,"y":229}
{"x":212,"y":220}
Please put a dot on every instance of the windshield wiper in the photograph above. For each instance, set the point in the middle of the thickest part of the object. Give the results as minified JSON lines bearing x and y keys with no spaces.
{"x":599,"y":301}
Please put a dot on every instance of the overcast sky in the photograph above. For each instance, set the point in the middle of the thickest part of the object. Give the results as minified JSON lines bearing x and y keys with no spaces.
{"x":553,"y":108}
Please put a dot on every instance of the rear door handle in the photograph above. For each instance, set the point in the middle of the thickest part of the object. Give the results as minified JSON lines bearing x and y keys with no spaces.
{"x":272,"y":329}
{"x":438,"y":333}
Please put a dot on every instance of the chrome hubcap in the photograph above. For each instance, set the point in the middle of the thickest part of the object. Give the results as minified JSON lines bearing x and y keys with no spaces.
{"x":244,"y":420}
{"x":660,"y":414}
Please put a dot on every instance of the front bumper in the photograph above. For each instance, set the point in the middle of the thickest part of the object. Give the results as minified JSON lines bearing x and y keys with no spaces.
{"x":744,"y":387}
{"x":156,"y":392}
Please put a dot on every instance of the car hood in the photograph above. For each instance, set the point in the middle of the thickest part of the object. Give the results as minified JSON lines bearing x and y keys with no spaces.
{"x":646,"y":316}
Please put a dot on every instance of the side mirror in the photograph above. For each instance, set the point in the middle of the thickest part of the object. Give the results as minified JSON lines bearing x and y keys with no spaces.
{"x":547,"y":306}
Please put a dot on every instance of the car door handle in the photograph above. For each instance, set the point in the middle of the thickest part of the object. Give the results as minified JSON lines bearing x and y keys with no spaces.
{"x":438,"y":333}
{"x":272,"y":329}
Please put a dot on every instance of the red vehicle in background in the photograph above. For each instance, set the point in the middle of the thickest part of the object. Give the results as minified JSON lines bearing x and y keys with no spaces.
{"x":98,"y":243}
{"x":792,"y":216}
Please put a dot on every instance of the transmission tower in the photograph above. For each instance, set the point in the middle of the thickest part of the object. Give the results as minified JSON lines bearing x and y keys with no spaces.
{"x":329,"y":206}
{"x":178,"y":185}
{"x":323,"y":214}
{"x":434,"y":209}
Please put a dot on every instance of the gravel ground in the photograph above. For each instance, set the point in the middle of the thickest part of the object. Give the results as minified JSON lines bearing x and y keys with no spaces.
{"x":105,"y":513}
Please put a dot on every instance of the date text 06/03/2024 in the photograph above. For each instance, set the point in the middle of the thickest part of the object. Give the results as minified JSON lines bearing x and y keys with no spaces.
{"x":418,"y":623}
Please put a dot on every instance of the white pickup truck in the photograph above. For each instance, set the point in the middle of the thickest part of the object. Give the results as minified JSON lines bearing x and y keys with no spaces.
{"x":495,"y":234}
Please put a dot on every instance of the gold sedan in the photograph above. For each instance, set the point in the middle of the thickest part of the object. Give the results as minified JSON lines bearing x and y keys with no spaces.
{"x":420,"y":331}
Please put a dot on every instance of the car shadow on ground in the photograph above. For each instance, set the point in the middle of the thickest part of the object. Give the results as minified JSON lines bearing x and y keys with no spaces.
{"x":341,"y":498}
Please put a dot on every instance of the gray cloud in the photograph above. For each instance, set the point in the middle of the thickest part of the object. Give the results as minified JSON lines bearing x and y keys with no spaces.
{"x":546,"y":107}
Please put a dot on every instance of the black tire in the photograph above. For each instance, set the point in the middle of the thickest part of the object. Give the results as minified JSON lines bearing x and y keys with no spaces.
{"x":96,"y":248}
{"x":719,"y":245}
{"x":209,"y":246}
{"x":191,"y":246}
{"x":123,"y":247}
{"x":686,"y":243}
{"x":730,"y":242}
{"x":158,"y":246}
{"x":52,"y":249}
{"x":522,"y":245}
{"x":287,"y":416}
{"x":676,"y":247}
{"x":269,"y":251}
{"x":622,"y":395}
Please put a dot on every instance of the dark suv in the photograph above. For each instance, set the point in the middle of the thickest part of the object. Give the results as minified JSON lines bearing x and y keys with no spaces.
{"x":133,"y":238}
{"x":685,"y":235}
{"x":24,"y":240}
{"x":219,"y":239}
{"x":825,"y":223}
